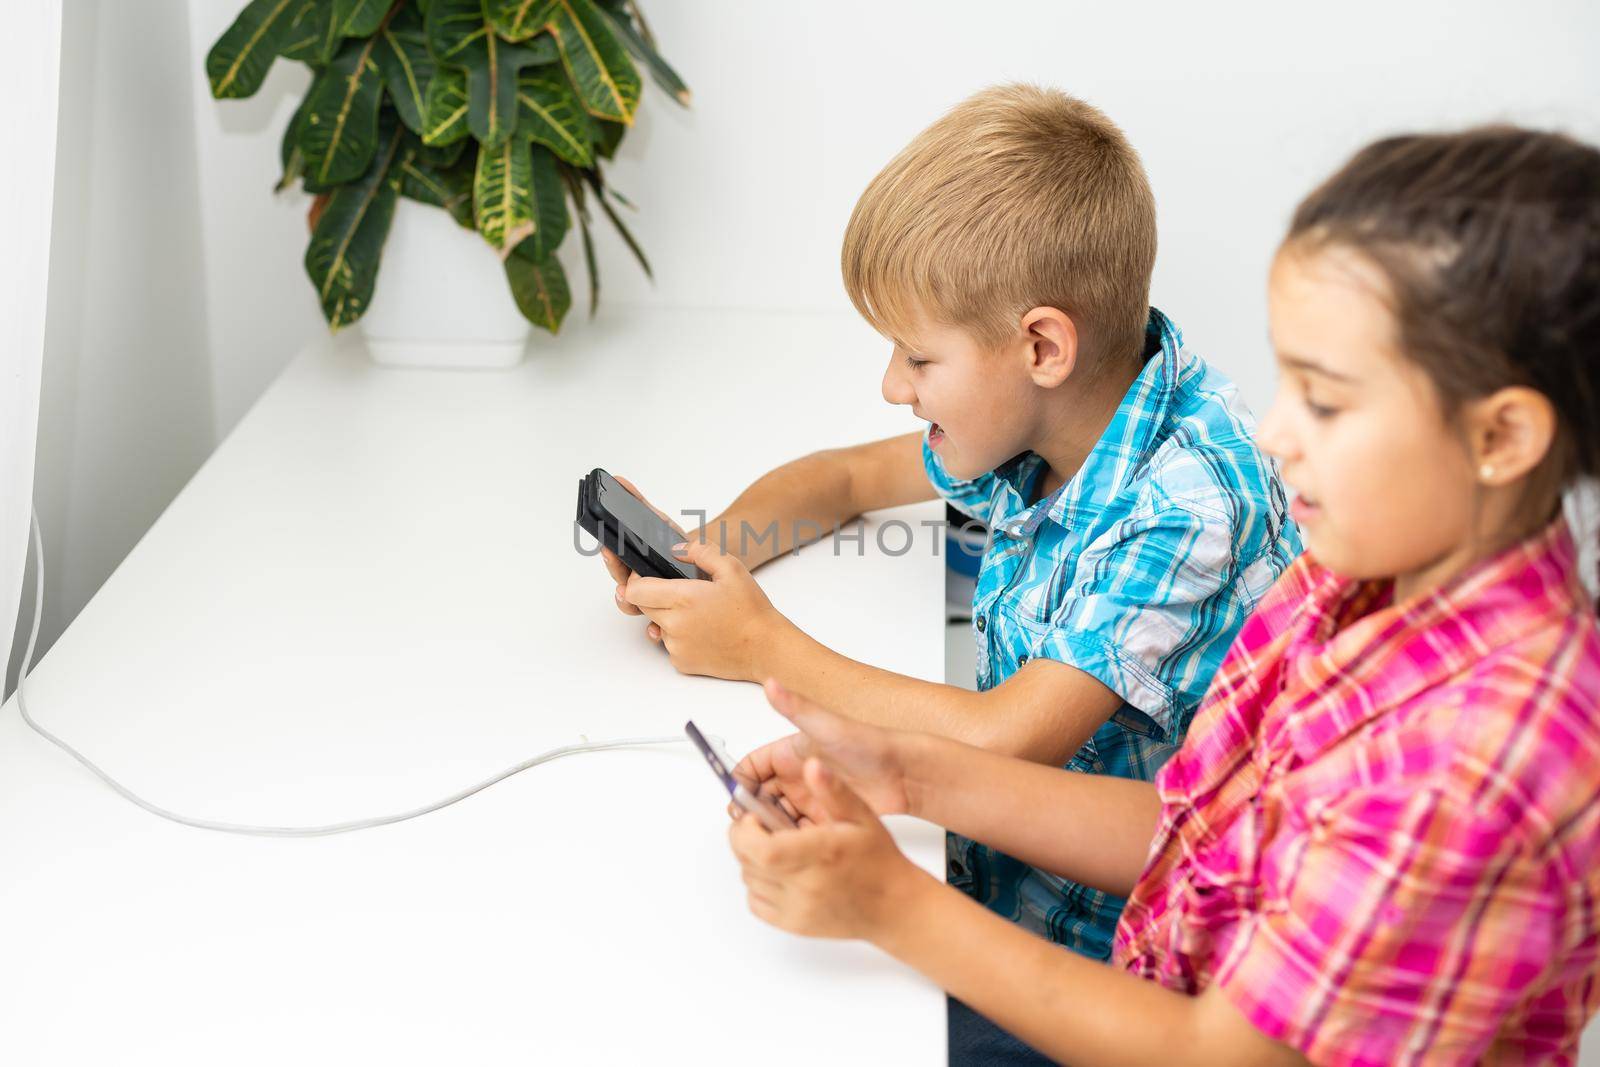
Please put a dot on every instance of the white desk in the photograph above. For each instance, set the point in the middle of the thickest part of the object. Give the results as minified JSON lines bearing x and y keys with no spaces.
{"x":368,"y":598}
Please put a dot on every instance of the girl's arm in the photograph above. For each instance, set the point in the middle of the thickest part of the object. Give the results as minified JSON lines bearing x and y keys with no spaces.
{"x":840,"y":875}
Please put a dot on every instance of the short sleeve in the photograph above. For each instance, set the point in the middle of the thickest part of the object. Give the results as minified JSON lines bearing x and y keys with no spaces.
{"x":972,"y":497}
{"x":1155,"y":615}
{"x":1402,"y":926}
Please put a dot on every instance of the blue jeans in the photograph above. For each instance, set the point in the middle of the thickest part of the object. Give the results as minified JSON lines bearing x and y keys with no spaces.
{"x":977,"y":1042}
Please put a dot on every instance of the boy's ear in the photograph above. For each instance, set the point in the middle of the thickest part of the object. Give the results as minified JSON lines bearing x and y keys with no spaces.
{"x":1051,"y":340}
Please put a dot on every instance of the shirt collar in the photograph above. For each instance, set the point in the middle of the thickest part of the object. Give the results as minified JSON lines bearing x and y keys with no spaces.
{"x":1342,"y":677}
{"x":1124,"y":446}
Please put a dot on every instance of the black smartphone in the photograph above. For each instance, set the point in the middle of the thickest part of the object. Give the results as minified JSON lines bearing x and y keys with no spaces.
{"x":771,"y":815}
{"x":623,"y":523}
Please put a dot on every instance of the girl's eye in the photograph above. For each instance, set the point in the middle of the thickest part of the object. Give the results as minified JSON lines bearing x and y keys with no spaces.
{"x":914,"y":363}
{"x":1320,"y":411}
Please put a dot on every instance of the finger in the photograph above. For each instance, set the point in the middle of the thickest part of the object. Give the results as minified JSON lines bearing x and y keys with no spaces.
{"x":749,"y":839}
{"x":653,"y":592}
{"x":812,"y":718}
{"x":622,"y":601}
{"x":630,"y":487}
{"x":711,"y":559}
{"x":835,"y":801}
{"x":618,"y":570}
{"x":653,"y":632}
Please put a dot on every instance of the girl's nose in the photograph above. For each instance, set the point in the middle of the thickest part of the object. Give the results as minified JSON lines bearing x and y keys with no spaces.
{"x":1273,"y":434}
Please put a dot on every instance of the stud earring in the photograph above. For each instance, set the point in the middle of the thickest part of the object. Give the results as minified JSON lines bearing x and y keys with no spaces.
{"x":1486,"y":472}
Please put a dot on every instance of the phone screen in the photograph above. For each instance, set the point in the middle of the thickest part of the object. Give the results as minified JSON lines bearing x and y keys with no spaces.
{"x":771,"y":815}
{"x":637,"y":518}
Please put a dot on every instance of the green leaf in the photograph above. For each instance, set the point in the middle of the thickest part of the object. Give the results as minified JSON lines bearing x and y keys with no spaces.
{"x":290,"y":154}
{"x":575,"y":187}
{"x":238,"y":63}
{"x":341,"y":127}
{"x":549,"y":113}
{"x":359,"y":18}
{"x":460,"y":36}
{"x":550,"y":218}
{"x":407,"y":66}
{"x":607,"y":136}
{"x":517,"y":20}
{"x":604,"y":76}
{"x":347,"y":243}
{"x":643,"y":50}
{"x":598,"y":184}
{"x":445,"y":112}
{"x":311,"y":36}
{"x":447,"y":187}
{"x":444,"y":155}
{"x":540,"y":290}
{"x":492,"y":90}
{"x":502,"y":193}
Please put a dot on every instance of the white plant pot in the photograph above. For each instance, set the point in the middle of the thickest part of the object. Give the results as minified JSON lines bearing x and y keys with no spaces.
{"x":442,"y":299}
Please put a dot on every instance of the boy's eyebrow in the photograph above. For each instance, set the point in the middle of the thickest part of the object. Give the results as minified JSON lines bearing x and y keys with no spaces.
{"x":1312,"y":366}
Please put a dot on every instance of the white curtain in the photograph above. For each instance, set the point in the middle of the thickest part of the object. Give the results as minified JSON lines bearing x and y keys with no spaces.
{"x":29,"y":83}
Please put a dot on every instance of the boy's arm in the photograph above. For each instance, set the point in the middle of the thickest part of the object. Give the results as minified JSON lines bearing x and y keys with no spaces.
{"x":1044,"y":712}
{"x":807,"y":498}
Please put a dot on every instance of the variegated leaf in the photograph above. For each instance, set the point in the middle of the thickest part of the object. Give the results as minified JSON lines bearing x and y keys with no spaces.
{"x":341,"y":127}
{"x":238,"y":63}
{"x":407,"y":66}
{"x":445,"y":113}
{"x":606,"y":80}
{"x":517,"y":20}
{"x":645,"y":52}
{"x":492,"y":90}
{"x":347,"y":244}
{"x":311,"y":35}
{"x":502,"y":193}
{"x":540,"y":290}
{"x":550,"y":218}
{"x":359,"y":18}
{"x":549,"y":113}
{"x":447,"y":187}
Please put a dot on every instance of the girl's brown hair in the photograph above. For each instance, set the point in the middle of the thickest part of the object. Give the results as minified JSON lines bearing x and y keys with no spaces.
{"x":1490,"y":241}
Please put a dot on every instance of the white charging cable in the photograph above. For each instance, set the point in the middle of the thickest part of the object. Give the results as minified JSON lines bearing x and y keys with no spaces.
{"x":273,"y":831}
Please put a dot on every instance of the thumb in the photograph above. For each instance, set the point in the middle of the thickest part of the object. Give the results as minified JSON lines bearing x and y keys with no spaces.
{"x":808,"y":717}
{"x":836,"y":802}
{"x":709,"y":558}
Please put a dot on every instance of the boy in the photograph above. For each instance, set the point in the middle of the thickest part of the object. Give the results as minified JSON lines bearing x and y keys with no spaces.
{"x":1007,"y":253}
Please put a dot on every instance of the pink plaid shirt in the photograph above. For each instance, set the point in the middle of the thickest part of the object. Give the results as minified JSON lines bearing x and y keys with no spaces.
{"x":1382,"y":836}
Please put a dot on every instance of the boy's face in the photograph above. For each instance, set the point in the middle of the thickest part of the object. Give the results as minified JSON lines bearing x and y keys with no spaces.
{"x":979,"y":403}
{"x":1384,"y":486}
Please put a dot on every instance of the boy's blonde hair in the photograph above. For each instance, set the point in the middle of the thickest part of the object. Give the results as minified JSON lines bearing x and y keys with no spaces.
{"x":1020,"y":197}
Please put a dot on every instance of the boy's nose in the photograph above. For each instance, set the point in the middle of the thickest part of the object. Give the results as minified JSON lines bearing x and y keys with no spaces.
{"x":896,"y":389}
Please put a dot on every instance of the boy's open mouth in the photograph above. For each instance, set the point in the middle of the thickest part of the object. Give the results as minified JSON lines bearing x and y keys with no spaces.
{"x":935,"y":434}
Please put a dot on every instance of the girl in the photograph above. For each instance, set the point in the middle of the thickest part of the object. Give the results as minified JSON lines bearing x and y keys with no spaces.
{"x":1379,"y":843}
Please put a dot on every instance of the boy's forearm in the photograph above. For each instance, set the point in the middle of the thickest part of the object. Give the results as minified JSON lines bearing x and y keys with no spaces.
{"x":790,"y":506}
{"x":1069,"y":1007}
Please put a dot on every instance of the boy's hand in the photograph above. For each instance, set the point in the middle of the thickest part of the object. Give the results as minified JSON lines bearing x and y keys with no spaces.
{"x":871,"y":760}
{"x":718,"y":627}
{"x":619,"y":570}
{"x":840,"y":876}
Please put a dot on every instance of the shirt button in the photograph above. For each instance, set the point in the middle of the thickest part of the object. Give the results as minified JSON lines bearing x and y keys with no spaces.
{"x":981,"y":624}
{"x":1022,"y":659}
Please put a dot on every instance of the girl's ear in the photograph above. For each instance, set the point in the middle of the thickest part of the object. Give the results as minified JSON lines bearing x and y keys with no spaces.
{"x":1052,"y":345}
{"x":1511,"y":432}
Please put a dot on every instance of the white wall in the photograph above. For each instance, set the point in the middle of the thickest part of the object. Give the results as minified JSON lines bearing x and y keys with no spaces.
{"x":177,"y":291}
{"x":125,"y":410}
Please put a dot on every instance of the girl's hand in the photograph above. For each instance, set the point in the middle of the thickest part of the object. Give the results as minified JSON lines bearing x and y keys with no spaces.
{"x":841,"y":875}
{"x":871,"y":760}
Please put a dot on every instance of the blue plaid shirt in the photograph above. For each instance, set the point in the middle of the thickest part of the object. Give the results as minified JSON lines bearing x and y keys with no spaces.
{"x":1138,"y":571}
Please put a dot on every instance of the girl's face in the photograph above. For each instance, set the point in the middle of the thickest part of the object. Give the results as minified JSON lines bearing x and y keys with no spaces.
{"x":1384,"y":486}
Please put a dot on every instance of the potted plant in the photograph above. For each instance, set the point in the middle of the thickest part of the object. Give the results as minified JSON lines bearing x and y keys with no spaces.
{"x":498,"y":112}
